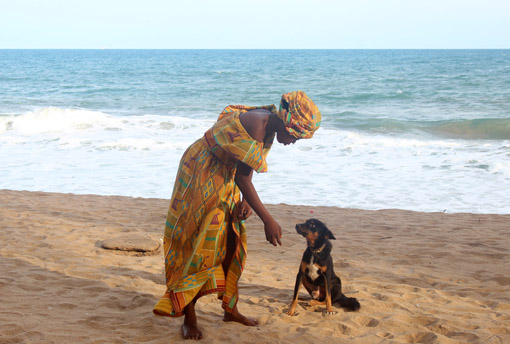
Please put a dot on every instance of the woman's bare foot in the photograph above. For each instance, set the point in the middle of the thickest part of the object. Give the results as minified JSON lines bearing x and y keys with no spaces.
{"x":190,"y":328}
{"x":238,"y":317}
{"x":191,"y":331}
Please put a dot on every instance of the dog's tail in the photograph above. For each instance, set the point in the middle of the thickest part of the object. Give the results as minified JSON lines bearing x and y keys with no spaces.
{"x":349,"y":303}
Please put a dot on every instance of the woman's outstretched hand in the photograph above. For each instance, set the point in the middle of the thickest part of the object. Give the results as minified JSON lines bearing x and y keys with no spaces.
{"x":273,"y":232}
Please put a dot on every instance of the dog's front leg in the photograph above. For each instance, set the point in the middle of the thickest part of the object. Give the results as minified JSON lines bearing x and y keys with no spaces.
{"x":293,"y":305}
{"x":329,"y":307}
{"x":299,"y":278}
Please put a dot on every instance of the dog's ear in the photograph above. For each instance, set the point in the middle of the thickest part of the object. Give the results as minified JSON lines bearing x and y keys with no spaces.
{"x":329,"y":235}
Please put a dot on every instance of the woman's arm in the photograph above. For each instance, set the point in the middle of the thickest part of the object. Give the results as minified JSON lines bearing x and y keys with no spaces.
{"x":243,"y":180}
{"x":255,"y":123}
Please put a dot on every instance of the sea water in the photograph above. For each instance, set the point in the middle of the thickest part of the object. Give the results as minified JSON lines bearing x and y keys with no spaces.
{"x":425,"y":130}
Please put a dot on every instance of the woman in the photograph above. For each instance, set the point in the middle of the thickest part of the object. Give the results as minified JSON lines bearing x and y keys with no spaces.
{"x":205,"y":236}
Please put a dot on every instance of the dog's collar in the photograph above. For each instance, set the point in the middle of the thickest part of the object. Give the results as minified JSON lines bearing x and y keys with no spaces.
{"x":319,"y":250}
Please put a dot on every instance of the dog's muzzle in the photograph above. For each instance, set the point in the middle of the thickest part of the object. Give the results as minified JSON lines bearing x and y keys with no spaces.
{"x":302,"y":229}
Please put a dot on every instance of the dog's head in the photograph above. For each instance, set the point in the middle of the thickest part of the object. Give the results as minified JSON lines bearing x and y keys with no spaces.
{"x":315,"y":232}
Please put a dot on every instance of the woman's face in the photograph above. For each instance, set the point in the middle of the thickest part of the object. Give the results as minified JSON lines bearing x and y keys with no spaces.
{"x":284,"y":137}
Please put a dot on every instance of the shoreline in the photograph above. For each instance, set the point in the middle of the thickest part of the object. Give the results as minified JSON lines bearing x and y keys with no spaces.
{"x":311,"y":206}
{"x":420,"y":277}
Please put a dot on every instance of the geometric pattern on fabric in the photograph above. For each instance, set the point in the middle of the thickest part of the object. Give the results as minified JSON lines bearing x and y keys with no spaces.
{"x":228,"y":139}
{"x":302,"y":118}
{"x":236,"y":267}
{"x":201,"y":212}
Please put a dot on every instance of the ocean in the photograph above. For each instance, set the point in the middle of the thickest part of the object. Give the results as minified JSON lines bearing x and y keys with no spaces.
{"x":424,"y":130}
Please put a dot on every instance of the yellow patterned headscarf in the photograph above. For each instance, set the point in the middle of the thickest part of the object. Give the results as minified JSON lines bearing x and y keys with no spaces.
{"x":303,"y":117}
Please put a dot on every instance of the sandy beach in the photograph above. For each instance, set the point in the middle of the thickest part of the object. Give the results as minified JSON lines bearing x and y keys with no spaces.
{"x":420,"y":277}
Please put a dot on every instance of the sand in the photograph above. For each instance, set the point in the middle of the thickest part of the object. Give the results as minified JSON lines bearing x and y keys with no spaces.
{"x":420,"y":277}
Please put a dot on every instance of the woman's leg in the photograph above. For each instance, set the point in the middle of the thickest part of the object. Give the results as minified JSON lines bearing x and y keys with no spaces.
{"x":231,"y":247}
{"x":190,"y":327}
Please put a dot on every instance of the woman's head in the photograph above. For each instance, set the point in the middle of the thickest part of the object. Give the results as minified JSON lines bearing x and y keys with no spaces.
{"x":299,"y":114}
{"x":284,"y":137}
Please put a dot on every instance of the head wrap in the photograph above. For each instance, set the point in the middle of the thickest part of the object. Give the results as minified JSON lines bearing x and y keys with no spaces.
{"x":302,"y":118}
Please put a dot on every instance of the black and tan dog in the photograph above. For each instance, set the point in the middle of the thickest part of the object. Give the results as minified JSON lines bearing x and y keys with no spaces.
{"x":316,"y":270}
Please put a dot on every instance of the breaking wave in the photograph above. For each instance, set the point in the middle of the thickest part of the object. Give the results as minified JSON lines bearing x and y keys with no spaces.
{"x":472,"y":129}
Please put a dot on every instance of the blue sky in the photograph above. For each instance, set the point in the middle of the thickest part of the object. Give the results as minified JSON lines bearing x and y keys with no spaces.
{"x":261,"y":24}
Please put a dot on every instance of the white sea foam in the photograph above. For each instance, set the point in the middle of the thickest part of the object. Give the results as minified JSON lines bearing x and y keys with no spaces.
{"x":79,"y":151}
{"x":54,"y":120}
{"x":70,"y":128}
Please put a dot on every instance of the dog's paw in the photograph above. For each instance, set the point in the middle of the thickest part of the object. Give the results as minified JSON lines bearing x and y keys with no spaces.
{"x":292,"y":314}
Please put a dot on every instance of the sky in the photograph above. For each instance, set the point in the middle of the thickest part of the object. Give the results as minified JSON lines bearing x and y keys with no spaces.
{"x":260,"y":24}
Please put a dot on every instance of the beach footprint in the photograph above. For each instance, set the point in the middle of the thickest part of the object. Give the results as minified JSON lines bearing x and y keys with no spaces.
{"x":366,"y":321}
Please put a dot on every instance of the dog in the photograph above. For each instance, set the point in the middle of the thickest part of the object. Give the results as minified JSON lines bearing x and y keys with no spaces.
{"x":316,"y":270}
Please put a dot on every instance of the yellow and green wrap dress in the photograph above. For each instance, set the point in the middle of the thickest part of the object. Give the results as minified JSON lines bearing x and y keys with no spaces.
{"x":202,"y":210}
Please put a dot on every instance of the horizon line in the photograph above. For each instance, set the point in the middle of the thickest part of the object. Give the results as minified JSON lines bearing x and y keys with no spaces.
{"x":255,"y":48}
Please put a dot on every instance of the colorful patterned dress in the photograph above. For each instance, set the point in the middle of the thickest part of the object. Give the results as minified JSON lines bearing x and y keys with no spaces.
{"x":201,"y":211}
